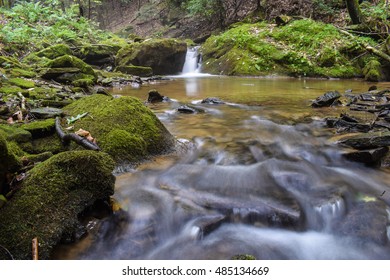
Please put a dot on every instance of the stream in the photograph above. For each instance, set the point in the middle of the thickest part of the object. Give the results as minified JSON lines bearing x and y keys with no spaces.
{"x":258,"y":175}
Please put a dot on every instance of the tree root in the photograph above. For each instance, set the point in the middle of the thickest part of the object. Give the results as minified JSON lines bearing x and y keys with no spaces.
{"x":67,"y":137}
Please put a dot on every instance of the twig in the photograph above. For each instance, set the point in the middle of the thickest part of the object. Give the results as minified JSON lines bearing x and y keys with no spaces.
{"x":7,"y":251}
{"x":67,"y":137}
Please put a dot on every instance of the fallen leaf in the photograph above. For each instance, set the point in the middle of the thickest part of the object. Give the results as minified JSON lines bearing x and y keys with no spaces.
{"x":82,"y":132}
{"x":10,"y":120}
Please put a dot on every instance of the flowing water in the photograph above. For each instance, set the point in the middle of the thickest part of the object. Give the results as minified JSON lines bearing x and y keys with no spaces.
{"x":259,"y":175}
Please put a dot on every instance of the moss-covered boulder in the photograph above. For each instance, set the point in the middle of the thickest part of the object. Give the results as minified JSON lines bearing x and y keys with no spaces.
{"x":40,"y":128}
{"x":164,"y":56}
{"x":99,"y":55}
{"x":123,"y":127}
{"x":8,"y":161}
{"x":14,"y":133}
{"x":53,"y":195}
{"x":22,"y":83}
{"x":42,"y":57}
{"x":69,"y":68}
{"x":299,"y":48}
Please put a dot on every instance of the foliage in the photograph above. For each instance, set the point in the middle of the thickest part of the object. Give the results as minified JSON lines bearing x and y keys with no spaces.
{"x":377,"y":17}
{"x":27,"y":23}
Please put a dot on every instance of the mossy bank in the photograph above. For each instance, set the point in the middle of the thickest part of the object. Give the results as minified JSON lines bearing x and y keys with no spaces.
{"x":299,"y":48}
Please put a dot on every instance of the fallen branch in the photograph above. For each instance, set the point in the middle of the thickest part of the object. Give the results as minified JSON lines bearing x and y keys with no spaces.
{"x":67,"y":137}
{"x":379,"y":53}
{"x":7,"y":251}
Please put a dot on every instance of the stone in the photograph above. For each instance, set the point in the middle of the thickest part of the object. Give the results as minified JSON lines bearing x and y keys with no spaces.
{"x":164,"y":56}
{"x":367,"y":140}
{"x":327,"y":99}
{"x":46,"y":112}
{"x":53,"y":196}
{"x":141,"y":71}
{"x":212,"y":100}
{"x":154,"y":96}
{"x":369,"y":157}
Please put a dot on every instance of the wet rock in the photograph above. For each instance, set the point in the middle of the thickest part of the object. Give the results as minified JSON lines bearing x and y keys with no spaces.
{"x":141,"y":71}
{"x":327,"y":99}
{"x":98,"y":55}
{"x":212,"y":100}
{"x":154,"y":96}
{"x":369,"y":157}
{"x":46,"y":112}
{"x":347,"y":124}
{"x":55,"y":193}
{"x":187,"y":109}
{"x":367,"y":221}
{"x":367,"y":140}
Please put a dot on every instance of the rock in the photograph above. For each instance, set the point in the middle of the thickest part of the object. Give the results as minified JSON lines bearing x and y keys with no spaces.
{"x":164,"y":56}
{"x":4,"y":110}
{"x":69,"y":68}
{"x":212,"y":100}
{"x":13,"y":133}
{"x":46,"y":112}
{"x":367,"y":140}
{"x":327,"y":99}
{"x":55,"y":51}
{"x":367,"y":221}
{"x":154,"y":96}
{"x":123,"y":127}
{"x":369,"y":157}
{"x":98,"y":55}
{"x":374,"y":87}
{"x":141,"y":71}
{"x":39,"y":129}
{"x":55,"y":193}
{"x":186,"y":109}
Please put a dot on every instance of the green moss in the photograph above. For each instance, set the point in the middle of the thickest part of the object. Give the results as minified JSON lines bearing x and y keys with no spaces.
{"x":53,"y":195}
{"x":17,"y":72}
{"x":68,"y":61}
{"x":14,"y":133}
{"x":50,"y":143}
{"x":302,"y":47}
{"x":110,"y":117}
{"x":9,"y":62}
{"x":55,"y":51}
{"x":40,"y":128}
{"x":39,"y":157}
{"x":136,"y":70}
{"x":83,"y":83}
{"x":11,"y":90}
{"x":244,"y":257}
{"x":372,"y":71}
{"x":3,"y":160}
{"x":22,"y":83}
{"x":124,"y":146}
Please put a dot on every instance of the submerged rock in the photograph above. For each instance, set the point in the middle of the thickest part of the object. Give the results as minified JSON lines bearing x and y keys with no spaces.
{"x":54,"y":194}
{"x":154,"y":96}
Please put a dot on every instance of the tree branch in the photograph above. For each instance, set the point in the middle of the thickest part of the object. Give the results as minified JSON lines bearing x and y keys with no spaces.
{"x":67,"y":137}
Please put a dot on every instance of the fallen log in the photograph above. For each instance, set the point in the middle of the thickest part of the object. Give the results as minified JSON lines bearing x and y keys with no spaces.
{"x":67,"y":137}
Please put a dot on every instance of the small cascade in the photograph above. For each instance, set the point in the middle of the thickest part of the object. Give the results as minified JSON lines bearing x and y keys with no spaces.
{"x":192,"y":63}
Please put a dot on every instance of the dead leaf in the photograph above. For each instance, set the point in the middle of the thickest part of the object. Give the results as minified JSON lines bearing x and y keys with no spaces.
{"x":82,"y":132}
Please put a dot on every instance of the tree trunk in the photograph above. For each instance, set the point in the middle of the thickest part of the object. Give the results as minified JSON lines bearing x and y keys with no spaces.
{"x":354,"y":11}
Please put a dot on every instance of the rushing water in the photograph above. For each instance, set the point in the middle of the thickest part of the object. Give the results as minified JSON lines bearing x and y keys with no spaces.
{"x":261,"y":177}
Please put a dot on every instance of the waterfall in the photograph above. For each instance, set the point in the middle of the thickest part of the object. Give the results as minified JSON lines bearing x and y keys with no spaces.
{"x":192,"y":63}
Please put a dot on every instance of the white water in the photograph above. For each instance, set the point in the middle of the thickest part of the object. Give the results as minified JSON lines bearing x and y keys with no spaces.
{"x":192,"y":64}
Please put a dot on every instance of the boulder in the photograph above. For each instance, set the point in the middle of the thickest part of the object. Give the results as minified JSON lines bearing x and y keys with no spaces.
{"x":40,"y":128}
{"x":123,"y":127}
{"x":367,"y":140}
{"x":98,"y":55}
{"x":53,"y":195}
{"x":372,"y":71}
{"x":68,"y":68}
{"x":154,"y":96}
{"x":46,"y":112}
{"x":164,"y":56}
{"x":368,"y":157}
{"x":141,"y":71}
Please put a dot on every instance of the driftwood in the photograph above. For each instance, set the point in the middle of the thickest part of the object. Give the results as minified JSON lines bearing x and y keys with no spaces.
{"x":67,"y":137}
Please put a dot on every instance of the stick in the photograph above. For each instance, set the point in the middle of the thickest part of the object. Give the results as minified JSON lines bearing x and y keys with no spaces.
{"x":35,"y":246}
{"x":66,"y":138}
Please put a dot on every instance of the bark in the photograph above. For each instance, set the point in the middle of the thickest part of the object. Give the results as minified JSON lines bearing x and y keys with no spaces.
{"x":354,"y":11}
